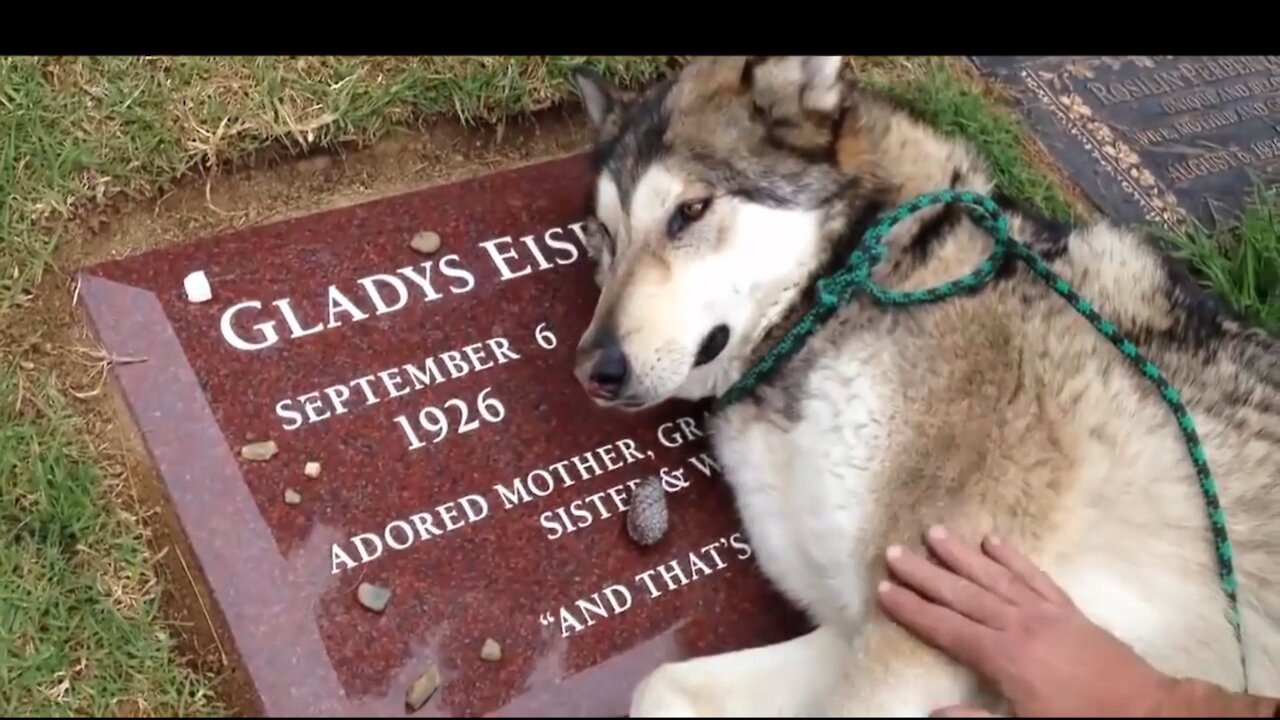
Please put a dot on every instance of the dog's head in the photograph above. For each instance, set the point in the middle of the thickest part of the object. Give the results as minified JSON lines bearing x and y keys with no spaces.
{"x":711,"y":195}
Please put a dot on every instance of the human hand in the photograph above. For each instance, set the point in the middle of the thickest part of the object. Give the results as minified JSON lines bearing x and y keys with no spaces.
{"x":996,"y":612}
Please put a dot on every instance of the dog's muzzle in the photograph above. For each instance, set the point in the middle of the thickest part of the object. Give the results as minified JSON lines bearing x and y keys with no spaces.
{"x":603,"y":369}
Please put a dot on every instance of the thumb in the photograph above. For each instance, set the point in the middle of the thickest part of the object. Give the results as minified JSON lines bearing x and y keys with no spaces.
{"x":960,"y":711}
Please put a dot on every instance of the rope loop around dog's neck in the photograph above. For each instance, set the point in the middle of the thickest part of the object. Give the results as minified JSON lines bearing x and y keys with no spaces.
{"x":837,"y":289}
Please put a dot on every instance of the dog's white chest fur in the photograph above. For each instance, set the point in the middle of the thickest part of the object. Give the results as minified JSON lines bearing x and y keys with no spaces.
{"x":806,"y":492}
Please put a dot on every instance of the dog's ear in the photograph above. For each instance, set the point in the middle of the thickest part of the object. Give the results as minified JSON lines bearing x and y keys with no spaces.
{"x":799,"y":98}
{"x":599,"y":246}
{"x":796,"y":84}
{"x":600,"y":97}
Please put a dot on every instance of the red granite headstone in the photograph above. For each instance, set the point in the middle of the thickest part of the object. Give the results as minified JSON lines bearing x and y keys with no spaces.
{"x":461,"y":466}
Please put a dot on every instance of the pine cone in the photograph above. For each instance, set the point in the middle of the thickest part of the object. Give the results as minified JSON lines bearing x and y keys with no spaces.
{"x":647,"y":516}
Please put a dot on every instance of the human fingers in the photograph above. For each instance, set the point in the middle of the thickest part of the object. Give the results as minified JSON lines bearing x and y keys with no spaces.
{"x":939,"y":626}
{"x":972,"y":564}
{"x":1020,"y":565}
{"x":947,"y":588}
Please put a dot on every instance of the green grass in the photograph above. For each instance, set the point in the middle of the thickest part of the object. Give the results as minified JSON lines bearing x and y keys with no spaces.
{"x":75,"y":639}
{"x":1240,"y":259}
{"x":80,"y":632}
{"x":79,"y":130}
{"x":962,"y":109}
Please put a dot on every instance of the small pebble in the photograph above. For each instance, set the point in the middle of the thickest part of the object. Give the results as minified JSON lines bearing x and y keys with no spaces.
{"x":647,"y":516}
{"x":26,"y":365}
{"x":491,"y":651}
{"x":423,"y":688}
{"x":292,"y":497}
{"x":312,"y":469}
{"x":259,"y":451}
{"x":373,"y":597}
{"x":197,"y":287}
{"x":425,"y":242}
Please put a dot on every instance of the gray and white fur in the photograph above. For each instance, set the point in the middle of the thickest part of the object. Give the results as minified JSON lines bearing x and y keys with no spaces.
{"x":722,"y":194}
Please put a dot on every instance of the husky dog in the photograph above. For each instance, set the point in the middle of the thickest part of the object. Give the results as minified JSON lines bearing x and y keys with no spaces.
{"x":723,"y":194}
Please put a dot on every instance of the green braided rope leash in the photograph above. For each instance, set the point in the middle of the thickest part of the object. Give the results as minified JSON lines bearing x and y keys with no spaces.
{"x":836,"y":289}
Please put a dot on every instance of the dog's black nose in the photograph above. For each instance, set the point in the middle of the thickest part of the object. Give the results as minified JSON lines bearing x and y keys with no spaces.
{"x":609,"y":371}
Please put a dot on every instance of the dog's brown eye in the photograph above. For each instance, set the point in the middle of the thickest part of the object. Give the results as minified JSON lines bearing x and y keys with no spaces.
{"x":694,"y":209}
{"x":687,"y":213}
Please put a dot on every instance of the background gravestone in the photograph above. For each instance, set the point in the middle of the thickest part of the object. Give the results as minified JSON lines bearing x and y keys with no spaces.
{"x":430,"y":442}
{"x":1145,"y":136}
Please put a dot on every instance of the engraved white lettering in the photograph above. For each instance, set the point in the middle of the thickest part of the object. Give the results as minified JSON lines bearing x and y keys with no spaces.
{"x":266,"y":330}
{"x":447,"y":392}
{"x":542,"y":481}
{"x":678,"y":432}
{"x":585,"y":511}
{"x":685,"y":568}
{"x":500,"y":258}
{"x":401,"y":534}
{"x":379,"y":302}
{"x":552,"y":238}
{"x":455,"y":415}
{"x":338,"y":303}
{"x":400,"y":380}
{"x":383,"y":293}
